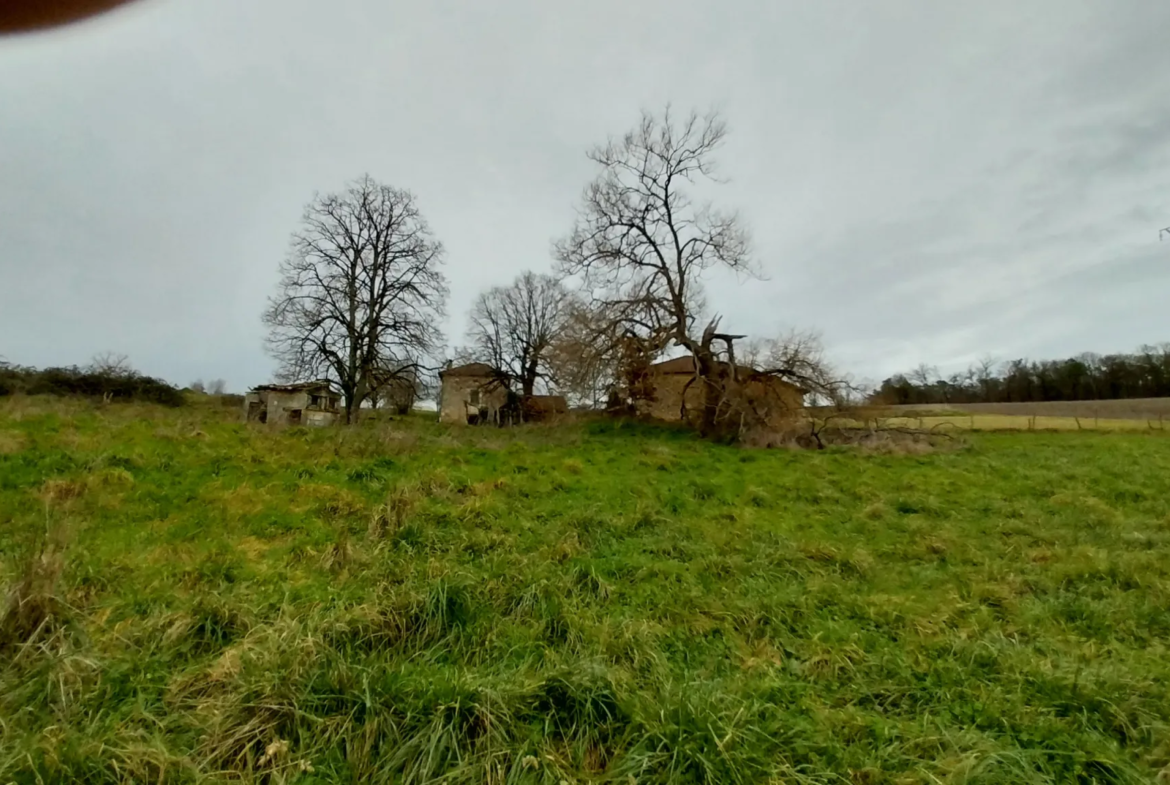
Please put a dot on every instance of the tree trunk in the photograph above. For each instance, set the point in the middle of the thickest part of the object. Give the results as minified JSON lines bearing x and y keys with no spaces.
{"x":708,"y":378}
{"x":352,"y":401}
{"x":528,"y":382}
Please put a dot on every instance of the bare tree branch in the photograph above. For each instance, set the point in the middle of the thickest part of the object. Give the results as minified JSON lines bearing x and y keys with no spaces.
{"x":111,"y":364}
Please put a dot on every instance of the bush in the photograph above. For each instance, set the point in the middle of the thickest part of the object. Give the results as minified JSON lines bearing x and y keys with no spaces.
{"x":117,"y":386}
{"x":10,"y":376}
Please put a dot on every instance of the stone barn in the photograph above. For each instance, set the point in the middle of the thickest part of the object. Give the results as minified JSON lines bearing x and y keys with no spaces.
{"x":307,"y":403}
{"x":669,"y":379}
{"x":471,"y":393}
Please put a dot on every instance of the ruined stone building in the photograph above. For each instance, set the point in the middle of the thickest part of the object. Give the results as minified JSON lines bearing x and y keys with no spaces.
{"x":475,"y":393}
{"x":669,"y":382}
{"x":307,"y":403}
{"x":470,"y":393}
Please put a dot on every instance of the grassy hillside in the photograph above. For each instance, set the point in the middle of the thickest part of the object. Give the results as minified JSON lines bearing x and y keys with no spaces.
{"x":599,"y":602}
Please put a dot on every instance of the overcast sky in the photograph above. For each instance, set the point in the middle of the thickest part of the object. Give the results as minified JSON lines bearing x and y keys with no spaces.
{"x":925,"y":181}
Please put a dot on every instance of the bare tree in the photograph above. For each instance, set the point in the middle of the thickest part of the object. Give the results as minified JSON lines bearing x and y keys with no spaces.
{"x":111,"y":364}
{"x":512,"y":328}
{"x":361,"y":291}
{"x":217,"y":387}
{"x":584,"y":358}
{"x":924,"y":375}
{"x":398,"y":387}
{"x":641,"y":244}
{"x":198,"y":386}
{"x":983,"y":374}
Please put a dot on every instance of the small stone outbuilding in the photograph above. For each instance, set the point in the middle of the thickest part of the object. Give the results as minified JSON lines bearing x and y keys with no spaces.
{"x":308,"y":403}
{"x":471,"y":393}
{"x":669,"y":381}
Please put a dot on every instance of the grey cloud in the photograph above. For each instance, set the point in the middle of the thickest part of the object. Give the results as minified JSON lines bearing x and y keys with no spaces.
{"x":925,"y":181}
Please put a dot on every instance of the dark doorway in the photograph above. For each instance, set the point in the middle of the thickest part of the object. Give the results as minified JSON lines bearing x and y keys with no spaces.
{"x":294,"y":416}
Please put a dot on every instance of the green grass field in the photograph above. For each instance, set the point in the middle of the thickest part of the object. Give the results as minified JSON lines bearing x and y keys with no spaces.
{"x":598,"y":602}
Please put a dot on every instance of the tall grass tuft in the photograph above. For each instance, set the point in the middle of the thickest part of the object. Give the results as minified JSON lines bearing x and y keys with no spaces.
{"x":389,"y":517}
{"x":33,"y":608}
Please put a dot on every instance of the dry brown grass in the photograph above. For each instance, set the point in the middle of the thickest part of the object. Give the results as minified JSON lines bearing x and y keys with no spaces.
{"x":12,"y":442}
{"x":1142,"y":409}
{"x":332,"y":502}
{"x":390,"y":517}
{"x":878,"y":437}
{"x":1008,"y":422}
{"x":57,"y":491}
{"x":949,"y":419}
{"x":18,"y":407}
{"x":340,"y":554}
{"x":33,"y":608}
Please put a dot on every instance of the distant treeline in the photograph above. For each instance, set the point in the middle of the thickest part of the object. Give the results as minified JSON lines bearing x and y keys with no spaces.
{"x":118,"y":384}
{"x":1087,"y":377}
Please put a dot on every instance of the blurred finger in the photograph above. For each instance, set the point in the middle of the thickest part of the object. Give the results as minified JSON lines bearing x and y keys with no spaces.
{"x":17,"y":16}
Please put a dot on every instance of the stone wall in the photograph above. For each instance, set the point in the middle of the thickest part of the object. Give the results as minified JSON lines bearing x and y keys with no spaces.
{"x":456,"y":393}
{"x":280,"y":404}
{"x":317,"y":418}
{"x":668,"y":395}
{"x":780,"y":400}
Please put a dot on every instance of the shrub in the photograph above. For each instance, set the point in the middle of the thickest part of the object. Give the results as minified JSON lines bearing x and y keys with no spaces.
{"x":90,"y":383}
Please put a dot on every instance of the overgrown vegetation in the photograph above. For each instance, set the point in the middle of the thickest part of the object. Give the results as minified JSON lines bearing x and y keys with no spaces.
{"x":599,"y":602}
{"x":93,"y":382}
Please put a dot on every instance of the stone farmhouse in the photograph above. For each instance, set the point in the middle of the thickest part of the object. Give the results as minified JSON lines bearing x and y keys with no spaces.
{"x":475,"y":393}
{"x":471,"y":393}
{"x":669,"y":381}
{"x":308,"y":403}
